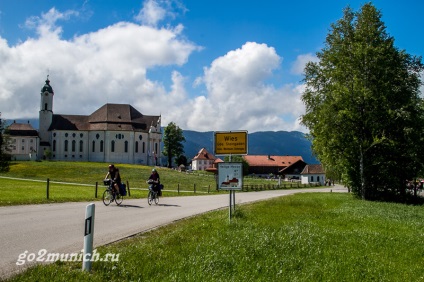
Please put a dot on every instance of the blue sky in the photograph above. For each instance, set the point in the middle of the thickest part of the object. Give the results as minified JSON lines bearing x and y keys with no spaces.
{"x":205,"y":65}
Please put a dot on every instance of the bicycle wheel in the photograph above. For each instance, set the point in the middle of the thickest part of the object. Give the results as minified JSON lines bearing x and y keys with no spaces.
{"x":107,"y":197}
{"x":118,"y":199}
{"x":156,"y":198}
{"x":150,"y":198}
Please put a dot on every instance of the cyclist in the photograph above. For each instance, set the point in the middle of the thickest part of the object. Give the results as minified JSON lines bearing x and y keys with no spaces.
{"x":156,"y":180}
{"x":114,"y":175}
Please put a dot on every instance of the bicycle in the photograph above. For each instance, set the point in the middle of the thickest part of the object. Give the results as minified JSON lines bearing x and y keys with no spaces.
{"x":152,"y":195}
{"x":110,"y":194}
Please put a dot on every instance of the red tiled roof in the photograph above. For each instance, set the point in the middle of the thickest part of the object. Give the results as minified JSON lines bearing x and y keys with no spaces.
{"x":313,"y":169}
{"x":265,"y":160}
{"x":204,"y":155}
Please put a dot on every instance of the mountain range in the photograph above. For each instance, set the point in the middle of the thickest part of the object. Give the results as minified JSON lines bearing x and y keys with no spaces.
{"x":276,"y":143}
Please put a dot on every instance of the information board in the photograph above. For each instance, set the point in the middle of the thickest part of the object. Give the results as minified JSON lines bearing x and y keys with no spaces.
{"x":230,"y":176}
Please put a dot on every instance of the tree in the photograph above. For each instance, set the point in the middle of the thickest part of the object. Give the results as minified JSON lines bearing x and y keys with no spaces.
{"x":363,"y":108}
{"x":4,"y":156}
{"x":239,"y":159}
{"x":181,"y":160}
{"x":172,"y":141}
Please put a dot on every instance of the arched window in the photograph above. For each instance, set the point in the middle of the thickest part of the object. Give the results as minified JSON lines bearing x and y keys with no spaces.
{"x":112,"y":146}
{"x":81,"y":145}
{"x":156,"y":148}
{"x":144,"y":147}
{"x":93,"y":146}
{"x":66,"y":146}
{"x":136,"y":146}
{"x":73,"y":145}
{"x":126,"y":146}
{"x":54,"y":145}
{"x":101,"y":146}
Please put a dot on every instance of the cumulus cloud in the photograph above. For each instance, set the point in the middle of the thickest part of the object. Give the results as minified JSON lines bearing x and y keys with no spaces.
{"x":87,"y":71}
{"x":238,"y":97}
{"x":112,"y":64}
{"x":298,"y":66}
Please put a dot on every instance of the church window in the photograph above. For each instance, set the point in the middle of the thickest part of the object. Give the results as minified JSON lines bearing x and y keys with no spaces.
{"x":126,"y":146}
{"x":66,"y":145}
{"x":94,"y":146}
{"x":112,"y":146}
{"x":54,"y":145}
{"x":81,"y":144}
{"x":73,"y":145}
{"x":101,"y":146}
{"x":136,"y":146}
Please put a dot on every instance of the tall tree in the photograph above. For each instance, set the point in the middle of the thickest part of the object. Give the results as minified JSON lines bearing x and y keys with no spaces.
{"x":363,"y":107}
{"x":172,"y":141}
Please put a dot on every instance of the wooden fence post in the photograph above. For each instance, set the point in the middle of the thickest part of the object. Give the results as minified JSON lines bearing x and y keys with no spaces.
{"x":47,"y":189}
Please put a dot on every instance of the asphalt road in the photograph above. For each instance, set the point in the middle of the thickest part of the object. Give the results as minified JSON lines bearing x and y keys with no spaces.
{"x":59,"y":228}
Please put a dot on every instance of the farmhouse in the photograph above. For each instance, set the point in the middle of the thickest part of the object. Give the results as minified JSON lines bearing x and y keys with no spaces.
{"x":267,"y":164}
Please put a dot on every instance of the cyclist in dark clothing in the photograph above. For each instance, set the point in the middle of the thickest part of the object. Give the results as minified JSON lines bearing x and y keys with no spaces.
{"x":156,"y":179}
{"x":114,"y":175}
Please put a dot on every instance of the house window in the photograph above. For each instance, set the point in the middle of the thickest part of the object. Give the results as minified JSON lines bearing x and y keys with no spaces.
{"x":73,"y":145}
{"x":81,"y":144}
{"x":66,"y":145}
{"x":126,"y":146}
{"x":94,"y":146}
{"x":112,"y":146}
{"x":317,"y":178}
{"x":312,"y":179}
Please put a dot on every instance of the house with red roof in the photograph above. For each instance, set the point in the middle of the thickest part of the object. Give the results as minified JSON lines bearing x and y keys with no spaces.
{"x":267,"y":164}
{"x":204,"y":161}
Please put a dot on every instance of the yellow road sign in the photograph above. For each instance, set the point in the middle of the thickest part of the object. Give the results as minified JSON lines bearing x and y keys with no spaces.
{"x":230,"y":143}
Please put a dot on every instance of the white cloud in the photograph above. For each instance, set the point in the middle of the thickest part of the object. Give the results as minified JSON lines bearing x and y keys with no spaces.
{"x":298,"y":66}
{"x":87,"y":71}
{"x":111,"y":65}
{"x":238,"y":97}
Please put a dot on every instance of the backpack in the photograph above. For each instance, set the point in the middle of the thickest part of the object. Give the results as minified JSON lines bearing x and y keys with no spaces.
{"x":123,"y":189}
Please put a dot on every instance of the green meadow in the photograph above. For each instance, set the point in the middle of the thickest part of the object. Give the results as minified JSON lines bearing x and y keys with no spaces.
{"x":303,"y":237}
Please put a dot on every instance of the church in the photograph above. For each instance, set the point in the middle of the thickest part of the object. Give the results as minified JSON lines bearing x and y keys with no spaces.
{"x":114,"y":133}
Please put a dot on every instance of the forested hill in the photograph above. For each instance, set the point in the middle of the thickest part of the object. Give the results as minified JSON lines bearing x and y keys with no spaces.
{"x":277,"y":143}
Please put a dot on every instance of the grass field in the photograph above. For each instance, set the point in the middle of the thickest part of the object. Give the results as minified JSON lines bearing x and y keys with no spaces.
{"x":26,"y":182}
{"x":303,"y":237}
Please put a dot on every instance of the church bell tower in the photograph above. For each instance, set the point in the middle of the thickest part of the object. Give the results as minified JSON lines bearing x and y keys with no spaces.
{"x":45,"y":116}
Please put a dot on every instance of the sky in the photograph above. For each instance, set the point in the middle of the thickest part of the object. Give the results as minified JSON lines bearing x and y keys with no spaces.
{"x":221,"y":65}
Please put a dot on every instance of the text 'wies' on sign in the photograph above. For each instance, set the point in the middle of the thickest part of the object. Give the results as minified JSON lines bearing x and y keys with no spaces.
{"x":230,"y":143}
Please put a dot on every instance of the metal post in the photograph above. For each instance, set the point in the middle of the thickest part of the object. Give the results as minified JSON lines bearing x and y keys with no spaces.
{"x":88,"y":237}
{"x":95,"y":191}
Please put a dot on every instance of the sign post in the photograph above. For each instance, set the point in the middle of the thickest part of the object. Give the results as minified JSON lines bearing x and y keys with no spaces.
{"x":230,"y":177}
{"x":88,"y":237}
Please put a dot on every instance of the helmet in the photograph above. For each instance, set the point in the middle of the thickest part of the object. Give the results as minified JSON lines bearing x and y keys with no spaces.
{"x":154,"y":170}
{"x":111,"y":166}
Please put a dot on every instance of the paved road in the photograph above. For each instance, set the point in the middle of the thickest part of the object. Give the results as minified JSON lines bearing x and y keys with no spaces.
{"x":59,"y":228}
